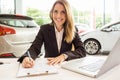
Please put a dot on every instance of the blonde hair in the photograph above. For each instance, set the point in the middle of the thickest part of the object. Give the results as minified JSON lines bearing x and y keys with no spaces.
{"x":69,"y":23}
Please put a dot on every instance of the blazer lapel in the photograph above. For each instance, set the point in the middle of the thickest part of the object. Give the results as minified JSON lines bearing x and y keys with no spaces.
{"x":52,"y":37}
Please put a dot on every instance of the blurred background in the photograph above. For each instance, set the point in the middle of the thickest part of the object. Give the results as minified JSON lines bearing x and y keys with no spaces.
{"x":94,"y":13}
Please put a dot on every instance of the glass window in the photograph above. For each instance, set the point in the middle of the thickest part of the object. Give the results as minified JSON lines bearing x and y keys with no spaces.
{"x":18,"y":23}
{"x":7,"y":6}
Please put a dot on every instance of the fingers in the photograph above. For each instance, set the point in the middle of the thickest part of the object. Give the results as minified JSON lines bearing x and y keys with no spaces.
{"x":53,"y":61}
{"x":56,"y":60}
{"x":49,"y":59}
{"x":28,"y":62}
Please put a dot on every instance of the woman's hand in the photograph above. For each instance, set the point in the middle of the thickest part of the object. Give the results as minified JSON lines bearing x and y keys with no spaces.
{"x":28,"y":62}
{"x":56,"y":60}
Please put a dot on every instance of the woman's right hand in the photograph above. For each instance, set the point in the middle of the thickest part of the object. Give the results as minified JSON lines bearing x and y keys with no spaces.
{"x":28,"y":62}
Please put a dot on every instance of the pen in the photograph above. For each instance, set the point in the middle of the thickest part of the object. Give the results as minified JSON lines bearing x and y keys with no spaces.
{"x":30,"y":59}
{"x":28,"y":54}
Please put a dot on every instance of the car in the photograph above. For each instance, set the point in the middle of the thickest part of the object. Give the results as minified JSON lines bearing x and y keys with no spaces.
{"x":101,"y":40}
{"x":17,"y":33}
{"x":83,"y":28}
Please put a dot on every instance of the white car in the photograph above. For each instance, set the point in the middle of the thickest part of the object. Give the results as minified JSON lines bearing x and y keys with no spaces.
{"x":17,"y":32}
{"x":101,"y":40}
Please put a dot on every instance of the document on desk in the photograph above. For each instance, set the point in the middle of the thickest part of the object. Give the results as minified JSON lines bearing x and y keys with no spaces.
{"x":40,"y":68}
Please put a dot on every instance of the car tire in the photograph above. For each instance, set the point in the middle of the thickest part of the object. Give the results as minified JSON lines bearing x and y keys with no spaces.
{"x":92,"y":46}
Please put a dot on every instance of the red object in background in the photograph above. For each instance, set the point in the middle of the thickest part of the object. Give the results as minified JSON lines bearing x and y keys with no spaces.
{"x":81,"y":31}
{"x":6,"y":30}
{"x":7,"y":55}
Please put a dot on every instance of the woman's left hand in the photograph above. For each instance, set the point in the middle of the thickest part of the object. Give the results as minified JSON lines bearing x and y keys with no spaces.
{"x":56,"y":60}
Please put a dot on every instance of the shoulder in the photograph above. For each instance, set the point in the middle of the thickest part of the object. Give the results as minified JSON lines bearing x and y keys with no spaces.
{"x":46,"y":28}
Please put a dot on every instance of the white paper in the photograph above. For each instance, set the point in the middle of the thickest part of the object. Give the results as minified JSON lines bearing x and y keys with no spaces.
{"x":40,"y":67}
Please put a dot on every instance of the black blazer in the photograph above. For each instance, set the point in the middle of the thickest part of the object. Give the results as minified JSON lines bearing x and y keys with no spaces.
{"x":47,"y":36}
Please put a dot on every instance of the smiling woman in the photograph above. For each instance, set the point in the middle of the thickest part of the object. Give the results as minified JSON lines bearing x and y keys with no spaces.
{"x":58,"y":36}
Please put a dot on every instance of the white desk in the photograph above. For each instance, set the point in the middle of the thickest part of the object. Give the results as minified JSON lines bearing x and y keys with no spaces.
{"x":8,"y":72}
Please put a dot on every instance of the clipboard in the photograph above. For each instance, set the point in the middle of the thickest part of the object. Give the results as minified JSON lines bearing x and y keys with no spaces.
{"x":40,"y":68}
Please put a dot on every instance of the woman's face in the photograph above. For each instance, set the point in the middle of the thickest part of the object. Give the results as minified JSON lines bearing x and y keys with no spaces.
{"x":59,"y":15}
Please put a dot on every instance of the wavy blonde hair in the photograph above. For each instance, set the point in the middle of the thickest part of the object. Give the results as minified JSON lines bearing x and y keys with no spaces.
{"x":69,"y":23}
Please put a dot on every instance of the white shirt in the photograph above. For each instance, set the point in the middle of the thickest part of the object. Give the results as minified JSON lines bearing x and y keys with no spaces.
{"x":59,"y":36}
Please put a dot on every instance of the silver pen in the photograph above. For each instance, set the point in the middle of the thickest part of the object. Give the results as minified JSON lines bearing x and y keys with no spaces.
{"x":29,"y":55}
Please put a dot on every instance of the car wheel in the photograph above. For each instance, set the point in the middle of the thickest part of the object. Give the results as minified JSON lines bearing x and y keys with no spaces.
{"x":92,"y":46}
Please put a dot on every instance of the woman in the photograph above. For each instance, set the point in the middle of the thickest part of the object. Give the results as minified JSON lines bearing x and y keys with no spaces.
{"x":58,"y":37}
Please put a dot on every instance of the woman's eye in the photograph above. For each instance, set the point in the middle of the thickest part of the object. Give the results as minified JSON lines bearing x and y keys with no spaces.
{"x":55,"y":11}
{"x":63,"y":12}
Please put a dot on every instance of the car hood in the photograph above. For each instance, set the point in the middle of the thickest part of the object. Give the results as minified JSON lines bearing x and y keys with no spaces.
{"x":87,"y":32}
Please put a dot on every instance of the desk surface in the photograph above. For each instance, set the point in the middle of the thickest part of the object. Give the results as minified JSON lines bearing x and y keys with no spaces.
{"x":8,"y":72}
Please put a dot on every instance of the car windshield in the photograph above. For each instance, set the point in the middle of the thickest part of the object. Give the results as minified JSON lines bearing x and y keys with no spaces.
{"x":19,"y":23}
{"x":113,"y":27}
